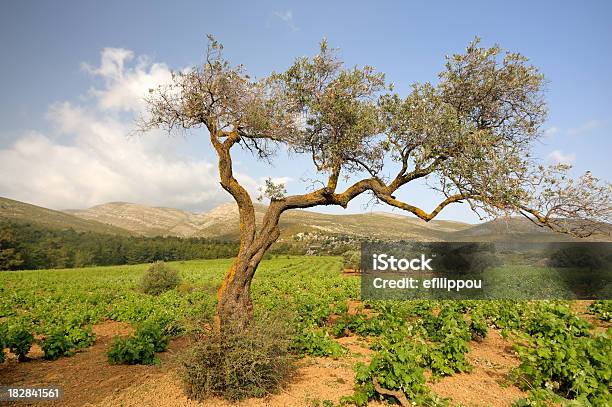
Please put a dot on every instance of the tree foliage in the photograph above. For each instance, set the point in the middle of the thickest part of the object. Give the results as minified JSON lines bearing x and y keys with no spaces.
{"x":469,"y":135}
{"x":10,"y":258}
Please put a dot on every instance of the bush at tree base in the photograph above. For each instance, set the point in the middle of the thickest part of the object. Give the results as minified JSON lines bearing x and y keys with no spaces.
{"x":238,"y":363}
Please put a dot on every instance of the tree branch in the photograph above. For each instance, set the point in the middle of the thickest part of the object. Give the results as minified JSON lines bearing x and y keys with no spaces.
{"x":419,"y":212}
{"x":246,"y":209}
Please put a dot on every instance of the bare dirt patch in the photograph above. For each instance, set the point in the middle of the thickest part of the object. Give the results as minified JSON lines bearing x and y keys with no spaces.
{"x":317,"y":379}
{"x":489,"y":384}
{"x":88,"y":379}
{"x":85,"y":377}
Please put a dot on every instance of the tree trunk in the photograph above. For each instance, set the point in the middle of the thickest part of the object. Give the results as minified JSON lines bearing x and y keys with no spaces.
{"x":234,"y":304}
{"x":234,"y":296}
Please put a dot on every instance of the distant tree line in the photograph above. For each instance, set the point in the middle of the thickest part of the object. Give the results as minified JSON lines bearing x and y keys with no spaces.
{"x":27,"y":246}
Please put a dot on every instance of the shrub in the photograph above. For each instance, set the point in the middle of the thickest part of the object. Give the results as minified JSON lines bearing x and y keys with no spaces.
{"x":447,"y":357}
{"x":316,"y":341}
{"x":559,"y":355}
{"x":579,"y":256}
{"x":478,"y":326}
{"x":139,"y":348}
{"x":574,"y":367}
{"x":469,"y":258}
{"x":395,"y":371}
{"x":153,"y":333}
{"x":80,"y":337}
{"x":351,"y":260}
{"x":64,"y":341}
{"x":131,"y":351}
{"x":19,"y":341}
{"x":238,"y":363}
{"x":451,"y":335}
{"x":3,"y":340}
{"x":159,"y":278}
{"x":602,"y":309}
{"x":56,"y":345}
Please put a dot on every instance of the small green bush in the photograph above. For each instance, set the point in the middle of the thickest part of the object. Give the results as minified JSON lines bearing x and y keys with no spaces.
{"x":3,"y":340}
{"x":316,"y":341}
{"x":450,"y":335}
{"x":19,"y":341}
{"x":153,"y":333}
{"x":65,"y":341}
{"x":131,"y":351}
{"x":468,"y":257}
{"x":139,"y":348}
{"x":237,"y":363}
{"x":579,"y":256}
{"x":478,"y":326}
{"x":56,"y":345}
{"x":602,"y":309}
{"x":159,"y":278}
{"x":80,"y":337}
{"x":351,"y":260}
{"x":559,"y":356}
{"x":395,"y":367}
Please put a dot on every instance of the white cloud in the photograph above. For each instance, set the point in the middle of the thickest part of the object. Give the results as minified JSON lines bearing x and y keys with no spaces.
{"x":557,"y":157}
{"x":287,"y":18}
{"x":585,"y":128}
{"x":112,"y":63}
{"x":551,"y":131}
{"x":125,"y":87}
{"x":89,"y":158}
{"x":281,"y":180}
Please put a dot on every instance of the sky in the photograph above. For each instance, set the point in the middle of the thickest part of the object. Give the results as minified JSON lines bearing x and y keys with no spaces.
{"x":73,"y":75}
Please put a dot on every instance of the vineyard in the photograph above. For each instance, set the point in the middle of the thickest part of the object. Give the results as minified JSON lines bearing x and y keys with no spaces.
{"x":563,"y":349}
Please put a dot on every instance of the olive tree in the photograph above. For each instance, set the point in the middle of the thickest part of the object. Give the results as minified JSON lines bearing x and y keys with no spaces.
{"x":468,"y":136}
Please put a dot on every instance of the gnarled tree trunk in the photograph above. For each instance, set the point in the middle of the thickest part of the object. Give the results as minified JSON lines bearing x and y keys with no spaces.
{"x":234,"y":304}
{"x":234,"y":296}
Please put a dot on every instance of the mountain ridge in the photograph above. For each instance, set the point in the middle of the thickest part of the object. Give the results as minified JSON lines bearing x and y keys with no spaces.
{"x":16,"y":211}
{"x":221,"y":222}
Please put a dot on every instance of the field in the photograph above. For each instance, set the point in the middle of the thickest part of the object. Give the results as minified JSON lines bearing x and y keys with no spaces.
{"x":432,"y":352}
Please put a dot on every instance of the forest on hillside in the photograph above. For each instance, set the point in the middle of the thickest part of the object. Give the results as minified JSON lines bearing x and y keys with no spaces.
{"x":28,"y":246}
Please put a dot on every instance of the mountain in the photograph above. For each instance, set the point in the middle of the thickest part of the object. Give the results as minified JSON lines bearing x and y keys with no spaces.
{"x":20,"y":212}
{"x":144,"y":220}
{"x":518,"y":229}
{"x":222,"y":222}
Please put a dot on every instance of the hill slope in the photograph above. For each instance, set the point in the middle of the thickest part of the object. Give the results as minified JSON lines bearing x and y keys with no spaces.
{"x":222,"y":222}
{"x":20,"y":212}
{"x":144,"y":220}
{"x":517,"y":229}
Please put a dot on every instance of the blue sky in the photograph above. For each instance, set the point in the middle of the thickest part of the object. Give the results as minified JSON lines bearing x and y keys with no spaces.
{"x":65,"y":115}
